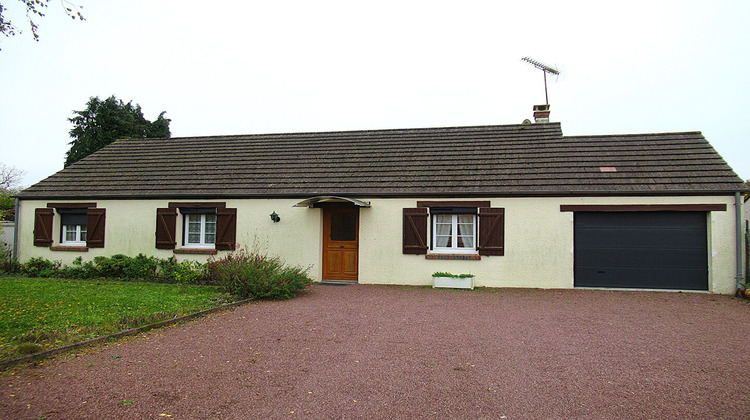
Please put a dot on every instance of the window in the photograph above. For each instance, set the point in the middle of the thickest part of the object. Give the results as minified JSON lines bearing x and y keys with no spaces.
{"x":78,"y":225}
{"x":454,"y":233}
{"x":456,"y":227}
{"x":74,"y":226}
{"x":200,"y":230}
{"x":206,"y":227}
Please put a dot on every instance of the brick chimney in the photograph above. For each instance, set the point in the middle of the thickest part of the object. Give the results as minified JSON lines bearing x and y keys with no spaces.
{"x":541,"y":113}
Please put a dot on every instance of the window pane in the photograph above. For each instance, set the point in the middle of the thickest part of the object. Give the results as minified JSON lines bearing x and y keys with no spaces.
{"x":194,"y":238}
{"x":443,"y":241}
{"x":70,"y":233}
{"x":465,"y":241}
{"x":83,"y":233}
{"x":194,"y":224}
{"x":210,"y":224}
{"x":466,"y":218}
{"x":343,"y":227}
{"x":443,"y":218}
{"x":210,"y":238}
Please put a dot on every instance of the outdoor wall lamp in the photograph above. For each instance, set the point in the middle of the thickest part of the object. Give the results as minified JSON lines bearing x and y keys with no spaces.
{"x":275,"y":217}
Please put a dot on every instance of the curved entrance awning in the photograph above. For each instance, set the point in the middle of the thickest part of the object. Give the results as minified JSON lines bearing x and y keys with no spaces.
{"x":312,"y":201}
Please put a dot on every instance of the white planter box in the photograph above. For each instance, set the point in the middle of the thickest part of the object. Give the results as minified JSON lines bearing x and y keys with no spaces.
{"x":453,"y":282}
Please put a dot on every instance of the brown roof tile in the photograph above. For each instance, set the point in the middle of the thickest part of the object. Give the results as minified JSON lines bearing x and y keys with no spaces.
{"x":489,"y":160}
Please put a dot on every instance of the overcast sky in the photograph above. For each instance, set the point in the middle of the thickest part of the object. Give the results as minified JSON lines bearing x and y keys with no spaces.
{"x":247,"y":67}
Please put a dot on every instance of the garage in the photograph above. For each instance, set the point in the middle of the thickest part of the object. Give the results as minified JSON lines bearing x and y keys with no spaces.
{"x":649,"y":250}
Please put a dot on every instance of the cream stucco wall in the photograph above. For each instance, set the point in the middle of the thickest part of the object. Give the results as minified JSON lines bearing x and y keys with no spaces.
{"x":538,"y":238}
{"x":131,"y":226}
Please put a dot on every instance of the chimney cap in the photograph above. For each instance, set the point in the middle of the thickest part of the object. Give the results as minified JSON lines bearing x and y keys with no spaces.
{"x":541,"y":113}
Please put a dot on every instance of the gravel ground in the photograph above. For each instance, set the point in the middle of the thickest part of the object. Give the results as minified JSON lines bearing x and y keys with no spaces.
{"x":362,"y":351}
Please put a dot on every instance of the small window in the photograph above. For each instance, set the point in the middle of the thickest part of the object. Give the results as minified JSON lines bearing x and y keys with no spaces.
{"x":454,"y":233}
{"x":74,"y":227}
{"x":200,"y":230}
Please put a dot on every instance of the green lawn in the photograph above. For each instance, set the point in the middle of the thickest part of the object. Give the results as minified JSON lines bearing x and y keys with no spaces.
{"x":38,"y":314}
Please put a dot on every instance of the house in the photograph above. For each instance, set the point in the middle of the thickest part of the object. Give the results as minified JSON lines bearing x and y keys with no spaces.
{"x":516,"y":205}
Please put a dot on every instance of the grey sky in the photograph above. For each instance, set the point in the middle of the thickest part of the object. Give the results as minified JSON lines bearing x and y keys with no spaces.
{"x":244,"y":67}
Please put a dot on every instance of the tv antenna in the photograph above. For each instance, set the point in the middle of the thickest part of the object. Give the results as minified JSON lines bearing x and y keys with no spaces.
{"x":545,"y":69}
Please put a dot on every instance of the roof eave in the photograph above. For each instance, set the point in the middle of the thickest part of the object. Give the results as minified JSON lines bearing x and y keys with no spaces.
{"x":385,"y":194}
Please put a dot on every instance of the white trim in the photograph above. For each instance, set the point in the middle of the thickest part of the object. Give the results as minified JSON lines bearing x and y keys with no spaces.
{"x":78,"y":234}
{"x":202,"y":241}
{"x":454,"y":249}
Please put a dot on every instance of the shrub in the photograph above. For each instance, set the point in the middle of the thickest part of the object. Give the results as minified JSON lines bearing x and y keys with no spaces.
{"x":113,"y":267}
{"x":36,"y":267}
{"x":141,"y":267}
{"x":256,"y":276}
{"x":184,"y":272}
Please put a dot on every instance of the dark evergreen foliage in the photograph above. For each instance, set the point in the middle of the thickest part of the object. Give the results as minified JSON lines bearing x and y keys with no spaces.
{"x":104,"y":121}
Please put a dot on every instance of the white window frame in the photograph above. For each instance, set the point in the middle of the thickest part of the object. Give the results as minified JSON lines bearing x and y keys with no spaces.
{"x":454,"y":249}
{"x":202,"y":243}
{"x":79,"y":232}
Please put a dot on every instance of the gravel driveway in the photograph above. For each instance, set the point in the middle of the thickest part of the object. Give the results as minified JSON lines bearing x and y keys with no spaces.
{"x":363,"y":351}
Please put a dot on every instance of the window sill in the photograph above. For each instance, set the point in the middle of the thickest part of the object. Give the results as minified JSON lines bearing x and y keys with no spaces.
{"x":198,"y":251}
{"x":69,"y":248}
{"x":465,"y":257}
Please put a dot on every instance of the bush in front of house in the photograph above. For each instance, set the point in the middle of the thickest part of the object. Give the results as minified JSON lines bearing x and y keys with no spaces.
{"x":40,"y":267}
{"x":254,"y":275}
{"x":120,"y":267}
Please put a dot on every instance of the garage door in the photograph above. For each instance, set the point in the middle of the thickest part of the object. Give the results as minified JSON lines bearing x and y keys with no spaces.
{"x":650,"y":250}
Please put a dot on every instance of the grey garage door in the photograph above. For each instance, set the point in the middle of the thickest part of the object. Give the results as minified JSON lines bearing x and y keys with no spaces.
{"x":650,"y":250}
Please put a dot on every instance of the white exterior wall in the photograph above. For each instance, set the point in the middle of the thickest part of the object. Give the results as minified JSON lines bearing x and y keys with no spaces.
{"x":6,"y":233}
{"x":538,"y":238}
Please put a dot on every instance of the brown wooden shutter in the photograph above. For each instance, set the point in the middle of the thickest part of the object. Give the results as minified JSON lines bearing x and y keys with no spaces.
{"x":491,"y":231}
{"x":166,"y":226}
{"x":415,"y":231}
{"x":43,"y":226}
{"x":226,"y":229}
{"x":95,"y":228}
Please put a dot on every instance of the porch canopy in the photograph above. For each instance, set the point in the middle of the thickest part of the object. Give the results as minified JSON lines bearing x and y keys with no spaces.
{"x":312,"y":201}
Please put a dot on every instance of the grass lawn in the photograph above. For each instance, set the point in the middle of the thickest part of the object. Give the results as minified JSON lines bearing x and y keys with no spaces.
{"x":39,"y":314}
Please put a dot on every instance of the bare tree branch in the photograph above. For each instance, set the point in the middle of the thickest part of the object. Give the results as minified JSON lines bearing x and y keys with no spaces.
{"x":10,"y":177}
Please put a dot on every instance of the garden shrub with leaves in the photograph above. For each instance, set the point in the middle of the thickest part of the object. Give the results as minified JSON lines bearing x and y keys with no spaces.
{"x":120,"y":266}
{"x":40,"y":267}
{"x":182,"y":272}
{"x":253,"y":275}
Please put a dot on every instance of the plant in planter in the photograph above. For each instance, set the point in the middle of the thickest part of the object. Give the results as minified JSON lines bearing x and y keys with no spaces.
{"x":453,"y":281}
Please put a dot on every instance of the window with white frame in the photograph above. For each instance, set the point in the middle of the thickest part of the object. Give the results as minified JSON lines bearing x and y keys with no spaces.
{"x":454,"y":231}
{"x":74,"y":227}
{"x":200,"y":230}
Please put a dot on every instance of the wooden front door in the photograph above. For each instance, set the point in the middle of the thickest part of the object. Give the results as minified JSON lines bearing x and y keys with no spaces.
{"x":340,"y":243}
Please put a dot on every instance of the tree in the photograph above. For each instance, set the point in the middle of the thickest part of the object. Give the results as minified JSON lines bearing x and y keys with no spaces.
{"x":103,"y":122}
{"x":10,"y":177}
{"x":35,"y":9}
{"x":10,"y":181}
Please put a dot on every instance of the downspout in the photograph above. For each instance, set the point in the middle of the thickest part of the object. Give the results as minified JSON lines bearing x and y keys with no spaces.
{"x":738,"y":223}
{"x":16,"y":216}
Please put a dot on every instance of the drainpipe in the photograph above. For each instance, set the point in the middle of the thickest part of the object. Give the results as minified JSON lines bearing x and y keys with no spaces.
{"x":14,"y":255}
{"x":738,"y":213}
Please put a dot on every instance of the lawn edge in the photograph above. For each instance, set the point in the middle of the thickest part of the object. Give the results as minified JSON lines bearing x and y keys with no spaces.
{"x":47,"y":353}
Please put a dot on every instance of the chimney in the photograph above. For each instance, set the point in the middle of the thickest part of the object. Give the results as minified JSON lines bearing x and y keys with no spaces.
{"x":541,"y":113}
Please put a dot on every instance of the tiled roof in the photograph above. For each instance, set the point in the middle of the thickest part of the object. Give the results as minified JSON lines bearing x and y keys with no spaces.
{"x":490,"y":160}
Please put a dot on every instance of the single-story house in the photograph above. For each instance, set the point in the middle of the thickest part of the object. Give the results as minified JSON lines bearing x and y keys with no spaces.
{"x":516,"y":205}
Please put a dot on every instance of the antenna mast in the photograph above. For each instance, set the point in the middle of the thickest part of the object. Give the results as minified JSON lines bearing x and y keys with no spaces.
{"x":545,"y":69}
